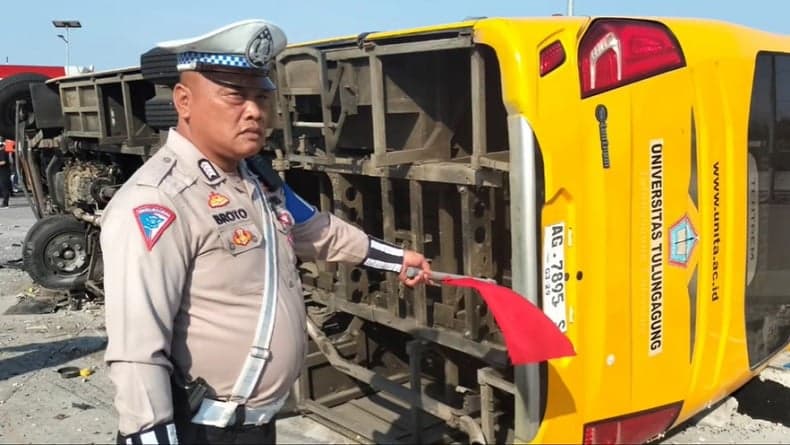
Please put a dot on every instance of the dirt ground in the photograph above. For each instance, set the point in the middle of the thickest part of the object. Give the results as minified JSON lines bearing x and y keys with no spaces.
{"x":37,"y":405}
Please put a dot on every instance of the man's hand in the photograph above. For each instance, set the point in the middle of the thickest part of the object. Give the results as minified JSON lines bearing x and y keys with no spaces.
{"x":416,"y":260}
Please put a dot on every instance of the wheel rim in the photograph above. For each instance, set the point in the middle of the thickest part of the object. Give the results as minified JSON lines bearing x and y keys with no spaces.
{"x":66,"y":254}
{"x":10,"y":116}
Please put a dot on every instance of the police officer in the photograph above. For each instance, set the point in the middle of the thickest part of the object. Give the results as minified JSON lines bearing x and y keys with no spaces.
{"x":199,"y":256}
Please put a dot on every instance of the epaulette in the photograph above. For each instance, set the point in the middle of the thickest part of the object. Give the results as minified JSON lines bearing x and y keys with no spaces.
{"x":153,"y":172}
{"x":160,"y":172}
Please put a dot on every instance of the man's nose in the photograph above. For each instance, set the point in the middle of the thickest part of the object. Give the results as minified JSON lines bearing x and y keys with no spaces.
{"x":253,"y":109}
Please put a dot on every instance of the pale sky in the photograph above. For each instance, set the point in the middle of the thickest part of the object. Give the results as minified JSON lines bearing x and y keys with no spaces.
{"x":115,"y":33}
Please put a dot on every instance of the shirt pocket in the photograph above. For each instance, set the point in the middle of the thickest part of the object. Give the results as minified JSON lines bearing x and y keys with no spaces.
{"x":240,"y":238}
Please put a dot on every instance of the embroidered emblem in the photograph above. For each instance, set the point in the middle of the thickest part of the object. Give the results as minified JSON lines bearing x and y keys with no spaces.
{"x":682,"y":241}
{"x":286,"y":219}
{"x":153,"y":220}
{"x":208,"y":169}
{"x":259,"y":48}
{"x":216,"y":200}
{"x":242,"y":237}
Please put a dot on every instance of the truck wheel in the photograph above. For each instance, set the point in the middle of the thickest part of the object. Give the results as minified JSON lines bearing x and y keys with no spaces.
{"x":160,"y":113}
{"x":55,"y":253}
{"x":12,"y":89}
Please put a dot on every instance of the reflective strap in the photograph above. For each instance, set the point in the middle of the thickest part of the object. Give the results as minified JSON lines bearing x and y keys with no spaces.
{"x":383,"y":256}
{"x":159,"y":434}
{"x":259,"y":352}
{"x":149,"y":437}
{"x":213,"y":413}
{"x":171,"y":434}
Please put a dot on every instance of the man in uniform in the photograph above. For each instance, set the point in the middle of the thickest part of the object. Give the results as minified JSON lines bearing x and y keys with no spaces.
{"x":199,"y":257}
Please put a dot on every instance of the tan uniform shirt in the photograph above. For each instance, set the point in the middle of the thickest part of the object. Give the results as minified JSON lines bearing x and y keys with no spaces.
{"x":183,"y":260}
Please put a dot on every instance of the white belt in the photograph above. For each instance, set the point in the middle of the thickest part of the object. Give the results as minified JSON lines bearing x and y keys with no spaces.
{"x":220,"y":414}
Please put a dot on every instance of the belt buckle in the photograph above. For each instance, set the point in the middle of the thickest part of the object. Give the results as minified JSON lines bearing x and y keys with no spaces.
{"x":261,"y":353}
{"x":239,"y":416}
{"x":215,"y":413}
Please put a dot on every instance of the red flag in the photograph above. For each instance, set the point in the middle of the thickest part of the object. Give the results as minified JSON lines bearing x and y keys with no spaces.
{"x":530,"y":336}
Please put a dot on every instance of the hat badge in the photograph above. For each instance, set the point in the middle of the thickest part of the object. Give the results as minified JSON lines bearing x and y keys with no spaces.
{"x":260,"y":48}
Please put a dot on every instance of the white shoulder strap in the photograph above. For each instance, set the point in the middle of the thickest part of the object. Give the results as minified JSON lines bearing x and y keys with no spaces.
{"x":259,"y":352}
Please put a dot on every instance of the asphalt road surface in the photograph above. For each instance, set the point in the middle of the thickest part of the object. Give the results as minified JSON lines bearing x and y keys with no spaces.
{"x":37,"y":405}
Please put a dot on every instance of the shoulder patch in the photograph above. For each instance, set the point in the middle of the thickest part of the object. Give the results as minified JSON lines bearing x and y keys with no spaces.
{"x":153,"y":220}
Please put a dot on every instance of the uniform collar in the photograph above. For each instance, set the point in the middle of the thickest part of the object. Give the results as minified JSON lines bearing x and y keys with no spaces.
{"x":250,"y":181}
{"x":193,"y":159}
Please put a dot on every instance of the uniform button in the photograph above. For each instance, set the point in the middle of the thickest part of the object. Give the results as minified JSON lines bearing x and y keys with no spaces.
{"x":166,"y":159}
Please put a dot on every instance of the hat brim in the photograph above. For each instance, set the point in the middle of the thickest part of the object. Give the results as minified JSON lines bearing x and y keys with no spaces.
{"x":236,"y":77}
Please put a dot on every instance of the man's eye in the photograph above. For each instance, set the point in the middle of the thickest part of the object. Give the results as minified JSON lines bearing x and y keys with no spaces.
{"x":235,"y":96}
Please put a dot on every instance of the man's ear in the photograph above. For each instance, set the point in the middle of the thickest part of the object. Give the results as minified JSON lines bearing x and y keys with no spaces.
{"x":182,"y":100}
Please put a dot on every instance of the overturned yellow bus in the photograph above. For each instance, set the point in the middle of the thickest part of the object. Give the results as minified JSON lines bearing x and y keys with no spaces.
{"x":630,"y":176}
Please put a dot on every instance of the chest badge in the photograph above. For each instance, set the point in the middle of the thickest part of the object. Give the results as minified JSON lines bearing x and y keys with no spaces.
{"x":242,"y":237}
{"x":215,"y":200}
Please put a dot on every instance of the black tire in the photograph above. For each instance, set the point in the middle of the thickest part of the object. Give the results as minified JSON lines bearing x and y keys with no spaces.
{"x":158,"y":66}
{"x":55,"y":253}
{"x":160,"y":113}
{"x":12,"y":89}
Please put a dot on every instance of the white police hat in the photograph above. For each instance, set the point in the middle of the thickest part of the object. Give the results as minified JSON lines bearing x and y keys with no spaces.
{"x":246,"y":47}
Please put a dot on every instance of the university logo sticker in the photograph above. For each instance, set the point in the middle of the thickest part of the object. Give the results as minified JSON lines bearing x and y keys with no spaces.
{"x":216,"y":200}
{"x":153,"y":220}
{"x":682,"y":241}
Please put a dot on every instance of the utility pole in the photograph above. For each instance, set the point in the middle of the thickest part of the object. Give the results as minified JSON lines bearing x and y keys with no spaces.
{"x":570,"y":8}
{"x":68,"y":24}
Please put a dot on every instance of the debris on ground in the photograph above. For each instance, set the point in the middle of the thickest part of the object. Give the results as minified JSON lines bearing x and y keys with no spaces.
{"x":35,"y":300}
{"x":81,"y":406}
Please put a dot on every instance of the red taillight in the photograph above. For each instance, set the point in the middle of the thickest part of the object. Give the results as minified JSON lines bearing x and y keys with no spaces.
{"x":633,"y":428}
{"x":615,"y":52}
{"x":551,"y":57}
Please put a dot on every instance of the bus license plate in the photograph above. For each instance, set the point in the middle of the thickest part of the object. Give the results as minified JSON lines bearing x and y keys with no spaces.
{"x":554,"y":275}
